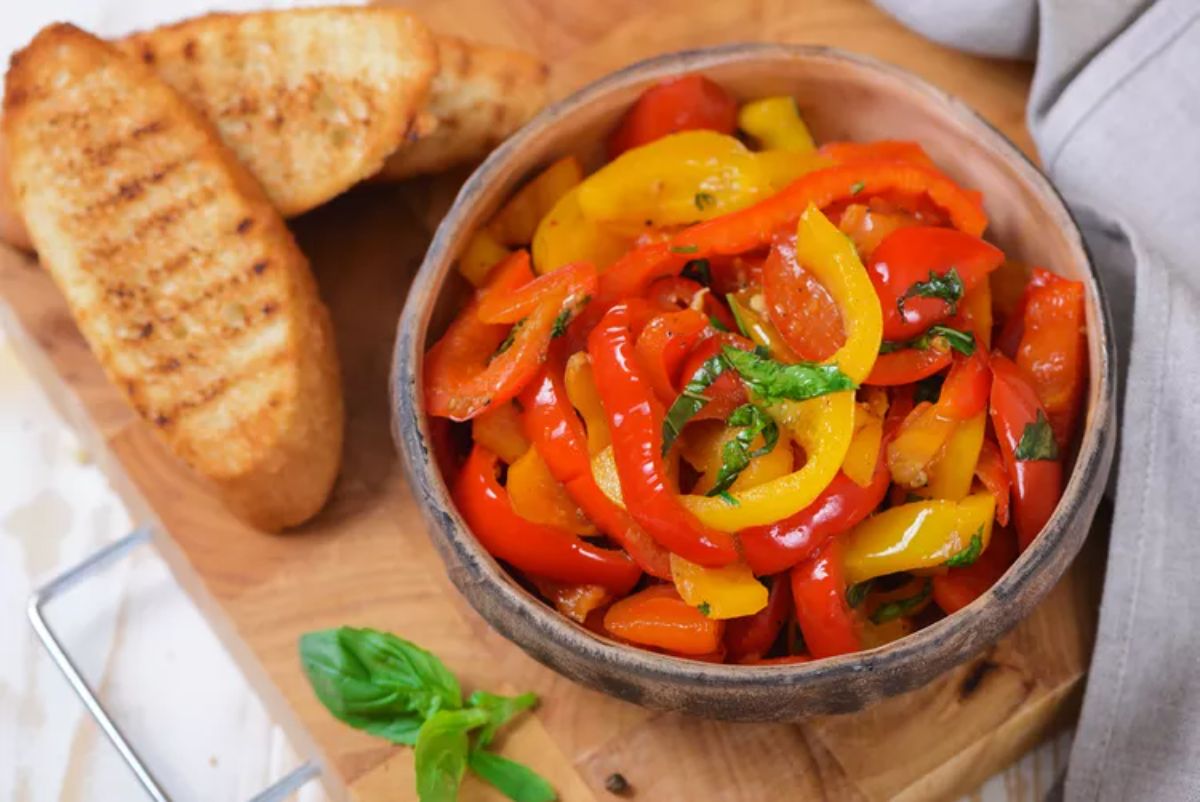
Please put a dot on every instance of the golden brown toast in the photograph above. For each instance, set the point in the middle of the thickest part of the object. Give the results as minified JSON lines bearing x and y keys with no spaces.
{"x":180,"y":273}
{"x":311,"y":100}
{"x":480,"y":95}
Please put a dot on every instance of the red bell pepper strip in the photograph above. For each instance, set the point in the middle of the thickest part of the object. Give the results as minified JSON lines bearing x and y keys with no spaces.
{"x":958,"y":587}
{"x":914,"y":254}
{"x":574,"y":282}
{"x":819,"y":593}
{"x":908,"y":365}
{"x":965,"y":391}
{"x":538,"y":549}
{"x":799,"y":307}
{"x":778,"y":546}
{"x":663,"y":346}
{"x":755,"y":226}
{"x":1053,"y":348}
{"x":728,"y":392}
{"x":733,"y":273}
{"x":556,"y":432}
{"x":752,"y":636}
{"x":657,"y":617}
{"x":677,"y":292}
{"x":882,"y":150}
{"x":686,"y":103}
{"x":464,"y":374}
{"x":636,"y":418}
{"x":1036,"y":483}
{"x":991,"y":471}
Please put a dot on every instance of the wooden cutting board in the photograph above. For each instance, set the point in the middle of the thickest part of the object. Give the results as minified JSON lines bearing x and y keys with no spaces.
{"x":366,"y":560}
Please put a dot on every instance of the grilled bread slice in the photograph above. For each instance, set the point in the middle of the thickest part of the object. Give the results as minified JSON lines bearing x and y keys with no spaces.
{"x":311,"y":100}
{"x":180,"y":273}
{"x":480,"y":95}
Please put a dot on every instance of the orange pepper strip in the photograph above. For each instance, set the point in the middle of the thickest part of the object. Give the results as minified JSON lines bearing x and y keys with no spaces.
{"x":575,"y":281}
{"x":908,"y":365}
{"x":1053,"y":349}
{"x":657,"y":617}
{"x":755,"y":225}
{"x":883,"y":149}
{"x":663,"y":346}
{"x":990,"y":470}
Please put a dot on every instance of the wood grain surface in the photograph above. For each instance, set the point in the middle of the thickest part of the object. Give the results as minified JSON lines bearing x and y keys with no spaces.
{"x":366,"y":561}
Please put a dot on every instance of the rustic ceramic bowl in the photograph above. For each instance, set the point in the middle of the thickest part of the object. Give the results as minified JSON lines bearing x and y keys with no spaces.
{"x":841,"y":96}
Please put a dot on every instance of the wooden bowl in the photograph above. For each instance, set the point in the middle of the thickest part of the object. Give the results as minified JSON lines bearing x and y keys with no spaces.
{"x":841,"y":96}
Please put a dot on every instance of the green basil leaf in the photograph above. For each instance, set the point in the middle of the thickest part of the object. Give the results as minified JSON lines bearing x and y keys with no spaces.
{"x":857,"y":592}
{"x":716,"y":323}
{"x":902,"y":607}
{"x":499,"y":709}
{"x":698,"y":270}
{"x":691,"y":400}
{"x":948,"y":287}
{"x":961,"y":341}
{"x":735,"y":307}
{"x":1037,"y":441}
{"x":516,"y":781}
{"x":364,"y":674}
{"x":509,"y":339}
{"x":401,"y":729}
{"x":441,"y":753}
{"x":970,"y":554}
{"x":774,"y":381}
{"x":705,"y":609}
{"x":736,"y":453}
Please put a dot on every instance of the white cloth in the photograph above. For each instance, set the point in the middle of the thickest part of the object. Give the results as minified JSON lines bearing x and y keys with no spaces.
{"x":1115,"y":112}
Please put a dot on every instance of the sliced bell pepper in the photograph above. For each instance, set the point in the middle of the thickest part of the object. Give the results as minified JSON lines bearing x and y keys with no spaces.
{"x":907,"y":261}
{"x":657,"y":617}
{"x":686,"y":103}
{"x":727,"y":393}
{"x":778,"y":546}
{"x":635,"y":418}
{"x":819,"y":594}
{"x":863,"y":455}
{"x":537,"y":495}
{"x":518,"y":219}
{"x":706,"y":451}
{"x":575,"y":283}
{"x":576,"y":602}
{"x":752,"y":636}
{"x":951,"y":473}
{"x":501,"y":431}
{"x":720,"y":593}
{"x":917,"y":443}
{"x":544,"y":551}
{"x":1053,"y":349}
{"x":881,"y":150}
{"x":798,"y":306}
{"x":975,"y":314}
{"x":745,"y":305}
{"x":1019,"y":418}
{"x":481,"y":254}
{"x":677,"y":179}
{"x":558,"y":435}
{"x":965,"y":391}
{"x":776,"y":124}
{"x":990,"y":470}
{"x":467,"y":372}
{"x":733,"y":273}
{"x":921,"y":534}
{"x":875,"y":635}
{"x":677,"y":292}
{"x":663,"y":346}
{"x":910,"y":365}
{"x":867,"y":227}
{"x":580,"y":386}
{"x":958,"y":587}
{"x":755,"y":226}
{"x":565,"y":235}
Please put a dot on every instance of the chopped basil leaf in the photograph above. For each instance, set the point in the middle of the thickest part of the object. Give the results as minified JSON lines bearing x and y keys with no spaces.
{"x":685,"y":248}
{"x":508,"y":340}
{"x":560,"y":323}
{"x":857,"y":592}
{"x":948,"y":287}
{"x":716,"y":323}
{"x":734,"y":306}
{"x":775,"y":381}
{"x":1037,"y":441}
{"x":902,"y":607}
{"x":704,"y":199}
{"x":704,"y":608}
{"x":970,"y":554}
{"x":691,"y":400}
{"x":736,"y":453}
{"x":857,"y":187}
{"x":728,"y":499}
{"x":961,"y":341}
{"x":698,"y":270}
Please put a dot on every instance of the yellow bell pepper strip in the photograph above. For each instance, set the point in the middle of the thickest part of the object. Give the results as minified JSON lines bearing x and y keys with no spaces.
{"x":604,"y":471}
{"x":922,"y":534}
{"x":518,"y":219}
{"x":582,"y":392}
{"x":678,"y":179}
{"x":782,"y":167}
{"x":719,"y":593}
{"x":754,"y":324}
{"x":823,"y":426}
{"x":776,"y":123}
{"x":951,"y":474}
{"x":918,"y":443}
{"x":863,"y":454}
{"x":704,"y":450}
{"x":565,"y":235}
{"x":501,"y":431}
{"x":482,"y":253}
{"x":537,"y":496}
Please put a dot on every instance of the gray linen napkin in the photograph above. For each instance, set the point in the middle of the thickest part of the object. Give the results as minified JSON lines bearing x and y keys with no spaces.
{"x":1115,"y":112}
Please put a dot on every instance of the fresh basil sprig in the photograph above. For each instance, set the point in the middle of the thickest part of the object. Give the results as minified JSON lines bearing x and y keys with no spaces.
{"x":902,"y":607}
{"x":775,"y":381}
{"x":970,"y":554}
{"x":961,"y":341}
{"x":948,"y":287}
{"x":736,"y":453}
{"x":858,"y":591}
{"x":691,"y":400}
{"x":1037,"y":441}
{"x":394,"y":689}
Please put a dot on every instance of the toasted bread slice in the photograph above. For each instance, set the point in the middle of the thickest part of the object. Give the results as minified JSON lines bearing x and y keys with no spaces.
{"x":480,"y":95}
{"x":180,"y":273}
{"x":12,"y":227}
{"x":311,"y":100}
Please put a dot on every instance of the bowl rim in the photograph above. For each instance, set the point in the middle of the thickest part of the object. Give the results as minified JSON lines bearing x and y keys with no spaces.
{"x":956,"y":636}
